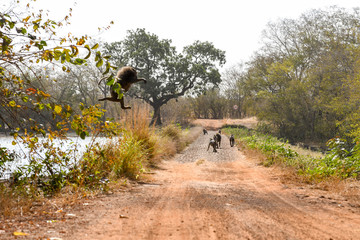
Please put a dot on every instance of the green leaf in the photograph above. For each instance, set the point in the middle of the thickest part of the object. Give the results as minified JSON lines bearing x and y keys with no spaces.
{"x":108,"y":66}
{"x":117,"y":89}
{"x":63,"y":58}
{"x":12,"y":25}
{"x":89,"y":54}
{"x":41,"y":106}
{"x":95,"y":46}
{"x":83,"y":135}
{"x":120,"y":95}
{"x":97,"y":56}
{"x":99,"y":63}
{"x":36,"y":27}
{"x":79,"y":61}
{"x":110,"y":81}
{"x":75,"y":50}
{"x":25,"y":98}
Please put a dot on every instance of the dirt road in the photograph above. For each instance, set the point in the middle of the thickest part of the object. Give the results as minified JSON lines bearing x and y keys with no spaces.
{"x":205,"y":195}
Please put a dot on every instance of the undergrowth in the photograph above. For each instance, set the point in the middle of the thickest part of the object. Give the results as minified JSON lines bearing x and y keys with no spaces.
{"x":337,"y":162}
{"x":116,"y":151}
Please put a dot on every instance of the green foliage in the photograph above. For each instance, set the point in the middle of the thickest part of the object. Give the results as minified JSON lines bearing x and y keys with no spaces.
{"x":275,"y":150}
{"x":169,"y":74}
{"x":30,"y":42}
{"x":338,"y":162}
{"x":121,"y":157}
{"x":50,"y":162}
{"x":122,"y":151}
{"x":6,"y":157}
{"x":210,"y":105}
{"x":305,"y":78}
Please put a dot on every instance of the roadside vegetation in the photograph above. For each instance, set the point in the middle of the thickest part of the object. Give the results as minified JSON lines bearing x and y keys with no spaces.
{"x":49,"y":90}
{"x":335,"y":162}
{"x":117,"y":153}
{"x":303,"y":83}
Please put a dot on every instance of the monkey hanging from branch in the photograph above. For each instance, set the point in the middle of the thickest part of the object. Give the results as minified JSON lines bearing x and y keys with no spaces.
{"x":125,"y":77}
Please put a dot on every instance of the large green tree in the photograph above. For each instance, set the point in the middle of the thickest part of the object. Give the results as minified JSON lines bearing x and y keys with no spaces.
{"x":299,"y":77}
{"x":169,"y":74}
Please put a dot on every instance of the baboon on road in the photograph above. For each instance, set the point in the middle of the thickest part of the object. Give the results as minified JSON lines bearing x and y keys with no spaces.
{"x":217,"y":138}
{"x":232,"y":140}
{"x":205,"y":131}
{"x":126,"y":76}
{"x":213,"y":144}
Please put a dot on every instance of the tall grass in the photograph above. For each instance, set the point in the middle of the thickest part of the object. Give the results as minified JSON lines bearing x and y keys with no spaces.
{"x":132,"y":147}
{"x":138,"y":147}
{"x":181,"y":138}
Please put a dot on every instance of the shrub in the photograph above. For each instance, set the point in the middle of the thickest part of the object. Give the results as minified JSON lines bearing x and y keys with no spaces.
{"x":338,"y":162}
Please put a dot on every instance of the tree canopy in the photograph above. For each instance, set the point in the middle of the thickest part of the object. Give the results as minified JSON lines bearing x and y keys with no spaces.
{"x":169,"y":74}
{"x":31,"y":47}
{"x":303,"y":79}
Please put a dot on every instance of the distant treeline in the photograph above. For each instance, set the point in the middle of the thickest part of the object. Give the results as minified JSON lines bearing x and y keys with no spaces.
{"x":305,"y":79}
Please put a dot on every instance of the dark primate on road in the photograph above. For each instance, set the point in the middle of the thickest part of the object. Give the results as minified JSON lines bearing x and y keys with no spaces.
{"x":232,"y":140}
{"x":205,"y":131}
{"x":126,"y":76}
{"x":217,"y":138}
{"x":212,"y":143}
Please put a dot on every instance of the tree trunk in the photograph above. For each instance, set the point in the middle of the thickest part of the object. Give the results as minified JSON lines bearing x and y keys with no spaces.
{"x":157,"y":116}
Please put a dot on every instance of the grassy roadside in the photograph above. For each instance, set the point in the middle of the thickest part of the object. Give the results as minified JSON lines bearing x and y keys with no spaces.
{"x":129,"y":152}
{"x":311,"y":166}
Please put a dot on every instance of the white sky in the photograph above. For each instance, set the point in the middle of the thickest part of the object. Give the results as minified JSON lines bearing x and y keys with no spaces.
{"x":234,"y":26}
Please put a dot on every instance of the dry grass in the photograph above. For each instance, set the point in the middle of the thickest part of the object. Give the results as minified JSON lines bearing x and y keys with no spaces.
{"x":215,"y":124}
{"x":140,"y":146}
{"x":138,"y":123}
{"x":200,"y":161}
{"x":181,"y":138}
{"x":13,"y":203}
{"x":306,"y":152}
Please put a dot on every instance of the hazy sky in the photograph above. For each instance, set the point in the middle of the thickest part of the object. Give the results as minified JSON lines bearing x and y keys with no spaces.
{"x":232,"y":25}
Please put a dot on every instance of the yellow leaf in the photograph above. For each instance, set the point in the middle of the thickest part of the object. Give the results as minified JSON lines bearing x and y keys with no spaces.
{"x":26,"y":19}
{"x":58,"y":109}
{"x":12,"y":103}
{"x":20,"y":234}
{"x":81,"y":41}
{"x":46,"y":95}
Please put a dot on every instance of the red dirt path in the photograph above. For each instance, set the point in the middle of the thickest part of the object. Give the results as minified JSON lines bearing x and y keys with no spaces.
{"x":204,"y":195}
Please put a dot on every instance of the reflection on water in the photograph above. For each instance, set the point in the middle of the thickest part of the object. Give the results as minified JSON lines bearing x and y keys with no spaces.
{"x":23,"y":153}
